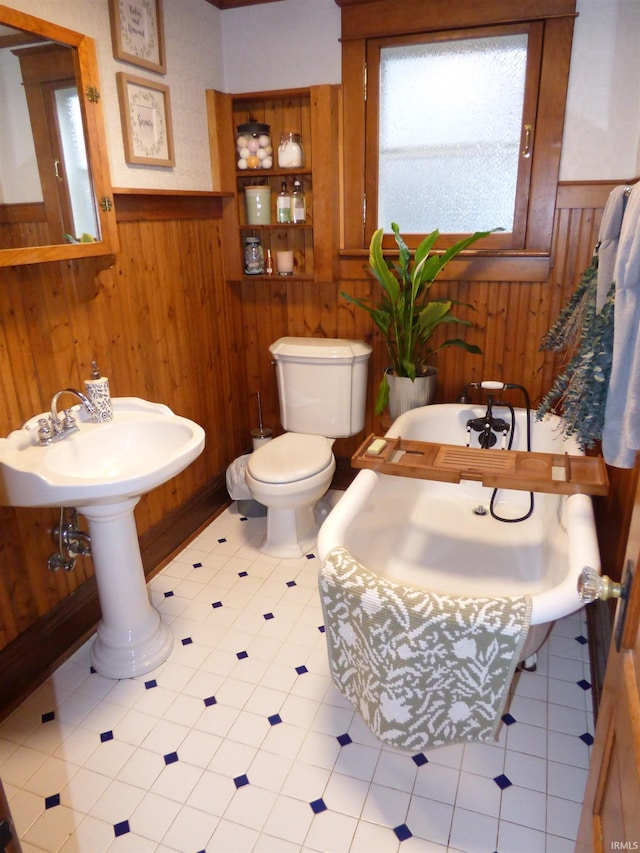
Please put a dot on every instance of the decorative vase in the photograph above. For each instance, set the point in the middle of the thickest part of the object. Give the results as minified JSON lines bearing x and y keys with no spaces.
{"x":405,"y":394}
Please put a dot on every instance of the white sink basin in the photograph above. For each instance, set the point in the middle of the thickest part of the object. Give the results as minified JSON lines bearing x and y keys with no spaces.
{"x":104,"y":468}
{"x":142,"y":447}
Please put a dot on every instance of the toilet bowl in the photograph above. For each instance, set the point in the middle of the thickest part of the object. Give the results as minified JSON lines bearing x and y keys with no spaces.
{"x":322,"y":392}
{"x":289,"y":475}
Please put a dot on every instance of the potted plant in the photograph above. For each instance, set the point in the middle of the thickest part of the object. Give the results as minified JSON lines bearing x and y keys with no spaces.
{"x":405,"y":313}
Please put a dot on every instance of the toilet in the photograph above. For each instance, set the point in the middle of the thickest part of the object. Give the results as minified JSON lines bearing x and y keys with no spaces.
{"x":322,"y":388}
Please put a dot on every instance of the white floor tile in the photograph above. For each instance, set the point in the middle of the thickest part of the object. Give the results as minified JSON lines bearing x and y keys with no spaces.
{"x":436,"y":782}
{"x":219,"y":750}
{"x":473,"y":832}
{"x":289,"y":819}
{"x":478,"y":794}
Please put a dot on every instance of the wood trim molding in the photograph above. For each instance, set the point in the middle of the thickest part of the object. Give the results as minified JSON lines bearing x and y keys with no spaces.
{"x":581,"y":194}
{"x":155,"y":205}
{"x":236,"y":4}
{"x":374,"y":18}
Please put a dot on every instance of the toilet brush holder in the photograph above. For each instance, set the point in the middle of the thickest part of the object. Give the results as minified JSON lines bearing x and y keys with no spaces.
{"x":260,"y":436}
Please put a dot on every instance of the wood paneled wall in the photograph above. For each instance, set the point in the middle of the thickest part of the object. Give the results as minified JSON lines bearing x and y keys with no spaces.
{"x":165,"y":325}
{"x":510,"y":318}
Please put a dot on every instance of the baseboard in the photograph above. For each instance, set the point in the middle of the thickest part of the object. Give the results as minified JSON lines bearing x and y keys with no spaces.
{"x":29,"y":659}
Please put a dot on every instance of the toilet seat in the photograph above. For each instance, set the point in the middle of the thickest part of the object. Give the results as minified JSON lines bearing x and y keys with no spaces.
{"x":290,"y":457}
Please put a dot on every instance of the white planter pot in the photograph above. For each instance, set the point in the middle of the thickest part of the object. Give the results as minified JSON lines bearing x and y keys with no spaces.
{"x":405,"y":394}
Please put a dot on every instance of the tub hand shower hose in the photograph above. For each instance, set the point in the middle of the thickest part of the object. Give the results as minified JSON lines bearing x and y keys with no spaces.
{"x":492,"y":386}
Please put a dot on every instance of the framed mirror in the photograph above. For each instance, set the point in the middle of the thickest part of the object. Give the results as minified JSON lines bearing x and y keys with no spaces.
{"x":56,"y":201}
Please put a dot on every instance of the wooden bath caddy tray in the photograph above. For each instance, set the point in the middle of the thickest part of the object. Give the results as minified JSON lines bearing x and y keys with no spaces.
{"x":558,"y":473}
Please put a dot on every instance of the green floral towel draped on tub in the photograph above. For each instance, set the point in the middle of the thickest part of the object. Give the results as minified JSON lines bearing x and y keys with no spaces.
{"x":423,"y":670}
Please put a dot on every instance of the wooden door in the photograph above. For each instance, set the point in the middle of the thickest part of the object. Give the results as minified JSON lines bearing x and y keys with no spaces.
{"x":611,"y":812}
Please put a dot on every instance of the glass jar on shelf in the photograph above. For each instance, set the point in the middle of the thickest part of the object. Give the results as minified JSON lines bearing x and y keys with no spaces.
{"x":253,"y":146}
{"x":290,"y":151}
{"x":253,"y":257}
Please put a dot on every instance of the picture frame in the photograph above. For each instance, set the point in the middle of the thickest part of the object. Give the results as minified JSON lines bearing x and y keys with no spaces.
{"x":137,"y":33}
{"x":145,"y":111}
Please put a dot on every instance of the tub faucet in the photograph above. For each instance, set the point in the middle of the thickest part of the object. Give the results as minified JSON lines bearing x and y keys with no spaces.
{"x":54,"y":429}
{"x":488,"y":426}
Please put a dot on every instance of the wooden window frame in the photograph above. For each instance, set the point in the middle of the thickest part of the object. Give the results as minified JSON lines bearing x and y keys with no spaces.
{"x":366,"y":20}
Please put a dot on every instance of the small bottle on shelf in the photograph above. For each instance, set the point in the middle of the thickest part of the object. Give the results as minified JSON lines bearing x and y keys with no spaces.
{"x":298,"y":203}
{"x":268,"y":263}
{"x":283,"y":204}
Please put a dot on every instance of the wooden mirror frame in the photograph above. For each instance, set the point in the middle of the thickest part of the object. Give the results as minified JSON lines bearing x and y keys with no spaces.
{"x":86,"y":67}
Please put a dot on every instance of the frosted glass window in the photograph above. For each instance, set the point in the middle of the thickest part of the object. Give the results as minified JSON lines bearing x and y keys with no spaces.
{"x":450,"y":123}
{"x":75,"y":160}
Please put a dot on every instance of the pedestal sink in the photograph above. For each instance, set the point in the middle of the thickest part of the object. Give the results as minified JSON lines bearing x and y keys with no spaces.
{"x":103,"y":469}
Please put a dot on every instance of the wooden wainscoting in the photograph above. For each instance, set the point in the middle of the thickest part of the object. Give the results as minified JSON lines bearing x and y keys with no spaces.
{"x":163,"y":325}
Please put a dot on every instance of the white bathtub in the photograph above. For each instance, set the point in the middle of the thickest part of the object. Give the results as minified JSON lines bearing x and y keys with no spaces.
{"x":426,"y":534}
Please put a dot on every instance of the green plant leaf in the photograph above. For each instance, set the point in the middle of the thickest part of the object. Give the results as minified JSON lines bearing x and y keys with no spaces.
{"x":404,"y":314}
{"x":380,"y":268}
{"x":382,"y":397}
{"x":432,"y":315}
{"x":458,"y":342}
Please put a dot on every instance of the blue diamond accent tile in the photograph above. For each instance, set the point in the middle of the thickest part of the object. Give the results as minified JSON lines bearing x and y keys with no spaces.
{"x":52,"y":801}
{"x":267,"y":616}
{"x":92,"y":670}
{"x":243,"y":574}
{"x":582,"y":640}
{"x":197,"y":565}
{"x":311,"y":556}
{"x":121,"y":828}
{"x":344,"y":739}
{"x":210,"y":700}
{"x":48,"y":717}
{"x":169,"y":594}
{"x":584,"y":684}
{"x":220,"y":541}
{"x":242,"y":655}
{"x":216,"y":604}
{"x":291,"y":583}
{"x":402,"y":832}
{"x":171,"y":758}
{"x":301,"y":669}
{"x":318,"y":806}
{"x":420,"y":759}
{"x":502,"y":781}
{"x":244,"y":518}
{"x":274,"y":719}
{"x":586,"y":738}
{"x":106,"y":736}
{"x":149,"y":685}
{"x":321,"y":629}
{"x":508,"y":719}
{"x":186,"y":641}
{"x":241,"y":781}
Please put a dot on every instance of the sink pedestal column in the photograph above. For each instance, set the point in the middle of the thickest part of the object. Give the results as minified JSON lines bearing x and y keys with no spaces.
{"x":131,"y":638}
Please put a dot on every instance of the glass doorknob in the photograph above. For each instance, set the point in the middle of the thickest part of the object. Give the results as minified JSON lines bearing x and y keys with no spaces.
{"x":592,"y":586}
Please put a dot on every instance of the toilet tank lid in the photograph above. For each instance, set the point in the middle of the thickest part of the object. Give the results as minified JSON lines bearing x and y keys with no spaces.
{"x":320,"y":348}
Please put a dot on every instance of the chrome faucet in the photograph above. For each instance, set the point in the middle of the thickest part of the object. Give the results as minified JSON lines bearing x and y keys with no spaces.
{"x":53,"y":429}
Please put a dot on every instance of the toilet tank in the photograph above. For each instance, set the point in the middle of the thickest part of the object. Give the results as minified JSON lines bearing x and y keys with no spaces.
{"x":322,"y":384}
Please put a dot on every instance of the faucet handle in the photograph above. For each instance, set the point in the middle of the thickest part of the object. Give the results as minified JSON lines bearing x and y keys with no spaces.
{"x":69,"y":422}
{"x":44,"y":429}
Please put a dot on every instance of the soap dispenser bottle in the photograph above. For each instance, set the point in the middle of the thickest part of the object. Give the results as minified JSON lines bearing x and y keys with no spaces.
{"x":97,"y":390}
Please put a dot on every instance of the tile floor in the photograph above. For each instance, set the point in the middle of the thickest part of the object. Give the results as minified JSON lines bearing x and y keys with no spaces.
{"x":240,"y":742}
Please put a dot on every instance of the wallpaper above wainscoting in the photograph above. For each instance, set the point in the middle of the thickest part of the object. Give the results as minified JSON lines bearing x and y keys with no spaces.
{"x":193,"y":37}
